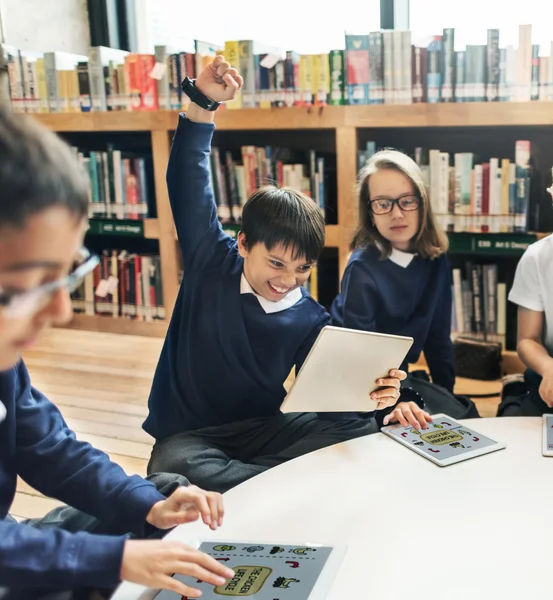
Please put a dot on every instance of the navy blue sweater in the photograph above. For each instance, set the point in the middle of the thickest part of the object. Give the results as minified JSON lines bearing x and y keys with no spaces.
{"x":382,"y":296}
{"x":37,"y":445}
{"x":224,"y":359}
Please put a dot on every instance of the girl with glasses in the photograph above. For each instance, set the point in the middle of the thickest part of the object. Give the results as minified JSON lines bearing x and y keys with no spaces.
{"x":398,"y":280}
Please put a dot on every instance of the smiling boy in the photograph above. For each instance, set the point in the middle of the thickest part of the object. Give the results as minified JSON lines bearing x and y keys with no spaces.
{"x":241,"y":322}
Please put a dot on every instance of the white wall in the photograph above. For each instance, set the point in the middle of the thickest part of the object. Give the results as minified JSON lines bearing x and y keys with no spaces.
{"x":46,"y":25}
{"x":302,"y":25}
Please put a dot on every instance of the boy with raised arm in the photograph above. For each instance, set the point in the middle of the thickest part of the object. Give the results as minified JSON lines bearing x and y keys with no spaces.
{"x":241,"y":322}
{"x":43,"y":208}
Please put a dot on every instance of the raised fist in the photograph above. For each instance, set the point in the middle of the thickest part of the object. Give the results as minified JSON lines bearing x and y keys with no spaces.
{"x":218,"y":81}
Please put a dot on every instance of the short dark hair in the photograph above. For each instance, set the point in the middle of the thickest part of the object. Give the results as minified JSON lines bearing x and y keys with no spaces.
{"x":283,"y":216}
{"x":38,"y":170}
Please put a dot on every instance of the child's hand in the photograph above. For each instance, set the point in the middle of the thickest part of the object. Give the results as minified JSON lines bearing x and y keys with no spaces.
{"x":218,"y":81}
{"x":185,"y":505}
{"x":389,"y":394}
{"x":409,"y":413}
{"x":154,"y":562}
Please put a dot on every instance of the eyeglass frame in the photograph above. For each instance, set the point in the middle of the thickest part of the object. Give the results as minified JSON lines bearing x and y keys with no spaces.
{"x":69,"y":282}
{"x":395,"y":201}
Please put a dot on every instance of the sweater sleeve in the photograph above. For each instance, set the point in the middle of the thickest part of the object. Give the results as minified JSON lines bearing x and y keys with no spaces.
{"x":50,"y":459}
{"x":438,"y":348}
{"x":52,"y":558}
{"x":200,"y":234}
{"x":359,"y":298}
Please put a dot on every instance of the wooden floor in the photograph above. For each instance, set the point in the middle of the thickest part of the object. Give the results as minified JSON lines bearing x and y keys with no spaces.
{"x":100,"y":382}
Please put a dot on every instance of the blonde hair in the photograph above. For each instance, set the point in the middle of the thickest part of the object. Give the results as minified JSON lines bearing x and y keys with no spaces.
{"x":430,"y":240}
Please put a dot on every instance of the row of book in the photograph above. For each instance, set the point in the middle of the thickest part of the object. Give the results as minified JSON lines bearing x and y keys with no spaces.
{"x":381,"y":67}
{"x":479,"y":302}
{"x":123,"y":285}
{"x":467,"y":195}
{"x":121,"y":183}
{"x":233,"y":183}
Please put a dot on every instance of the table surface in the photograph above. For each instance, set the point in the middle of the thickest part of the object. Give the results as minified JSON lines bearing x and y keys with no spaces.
{"x":477,"y":529}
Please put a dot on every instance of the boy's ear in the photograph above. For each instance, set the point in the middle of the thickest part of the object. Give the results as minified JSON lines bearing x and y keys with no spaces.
{"x":242,"y":244}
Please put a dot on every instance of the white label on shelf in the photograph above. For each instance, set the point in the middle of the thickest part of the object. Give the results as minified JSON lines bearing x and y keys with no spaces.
{"x":102,"y":289}
{"x":269,"y":61}
{"x":158,"y":71}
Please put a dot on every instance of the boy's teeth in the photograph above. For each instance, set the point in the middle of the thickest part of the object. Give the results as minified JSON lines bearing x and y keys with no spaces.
{"x":279,"y":289}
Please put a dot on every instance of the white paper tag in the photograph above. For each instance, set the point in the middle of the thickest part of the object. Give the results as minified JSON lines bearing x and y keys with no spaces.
{"x":158,"y":71}
{"x":112,"y":282}
{"x":269,"y":61}
{"x":102,"y":289}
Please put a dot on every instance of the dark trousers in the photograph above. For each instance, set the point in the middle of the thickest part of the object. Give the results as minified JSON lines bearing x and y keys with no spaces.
{"x":73,"y":520}
{"x":532,"y":404}
{"x":219,"y":458}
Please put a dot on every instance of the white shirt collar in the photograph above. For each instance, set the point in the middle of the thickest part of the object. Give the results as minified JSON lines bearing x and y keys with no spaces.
{"x":271,"y":307}
{"x":403,"y":259}
{"x":2,"y":412}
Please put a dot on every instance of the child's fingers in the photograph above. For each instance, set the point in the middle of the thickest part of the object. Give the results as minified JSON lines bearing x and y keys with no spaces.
{"x":231,"y":81}
{"x":222,"y":67}
{"x":389,"y":383}
{"x":398,"y":374}
{"x":400,"y":417}
{"x":428,"y":417}
{"x":410,"y":416}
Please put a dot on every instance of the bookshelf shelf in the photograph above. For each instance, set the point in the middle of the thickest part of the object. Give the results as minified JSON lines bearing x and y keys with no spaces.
{"x":491,"y":244}
{"x":467,"y":114}
{"x":119,"y":325}
{"x":346,"y":126}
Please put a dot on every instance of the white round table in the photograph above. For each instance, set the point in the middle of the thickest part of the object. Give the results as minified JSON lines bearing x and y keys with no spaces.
{"x":478,"y":529}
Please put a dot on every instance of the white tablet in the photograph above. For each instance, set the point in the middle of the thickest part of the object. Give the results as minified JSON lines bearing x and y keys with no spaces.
{"x":547,"y":435}
{"x":342,"y":368}
{"x":266,"y":571}
{"x":445,"y":441}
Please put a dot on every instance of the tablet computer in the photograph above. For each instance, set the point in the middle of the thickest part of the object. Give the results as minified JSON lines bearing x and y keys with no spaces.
{"x":342,"y":368}
{"x":445,"y":441}
{"x":264,"y":571}
{"x":547,"y":435}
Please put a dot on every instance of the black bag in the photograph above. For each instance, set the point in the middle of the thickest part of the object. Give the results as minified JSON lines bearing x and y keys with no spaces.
{"x":477,"y":359}
{"x":436,"y":398}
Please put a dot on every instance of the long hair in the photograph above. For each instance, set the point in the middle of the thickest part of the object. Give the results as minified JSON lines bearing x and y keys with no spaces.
{"x":430,"y":240}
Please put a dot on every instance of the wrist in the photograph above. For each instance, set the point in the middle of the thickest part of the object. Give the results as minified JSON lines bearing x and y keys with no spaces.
{"x":197,"y":114}
{"x":152,"y":514}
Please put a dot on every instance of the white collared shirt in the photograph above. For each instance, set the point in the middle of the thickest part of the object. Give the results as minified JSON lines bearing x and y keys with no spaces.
{"x":403,"y":259}
{"x":267,"y":305}
{"x":2,"y":411}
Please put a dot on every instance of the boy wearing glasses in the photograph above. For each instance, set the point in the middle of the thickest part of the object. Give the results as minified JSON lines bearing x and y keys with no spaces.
{"x":43,"y":207}
{"x":398,"y":278}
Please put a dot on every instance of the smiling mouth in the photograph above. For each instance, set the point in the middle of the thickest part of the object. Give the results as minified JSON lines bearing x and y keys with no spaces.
{"x":278,"y":290}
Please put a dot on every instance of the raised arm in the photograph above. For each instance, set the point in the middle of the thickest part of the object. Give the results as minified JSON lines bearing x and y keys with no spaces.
{"x":188,"y":173}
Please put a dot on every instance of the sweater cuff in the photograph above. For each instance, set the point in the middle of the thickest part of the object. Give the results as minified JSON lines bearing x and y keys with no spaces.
{"x":134,"y":507}
{"x":98,"y":560}
{"x":194,"y":135}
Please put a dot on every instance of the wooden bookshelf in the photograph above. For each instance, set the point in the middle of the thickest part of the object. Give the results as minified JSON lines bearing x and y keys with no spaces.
{"x":343,"y":125}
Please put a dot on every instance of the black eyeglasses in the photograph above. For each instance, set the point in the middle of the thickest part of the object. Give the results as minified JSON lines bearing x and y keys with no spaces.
{"x":383,"y":206}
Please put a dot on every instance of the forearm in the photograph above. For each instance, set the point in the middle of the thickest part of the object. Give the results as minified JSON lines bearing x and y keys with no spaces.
{"x":189,"y":181}
{"x":52,"y":558}
{"x":535,"y":356}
